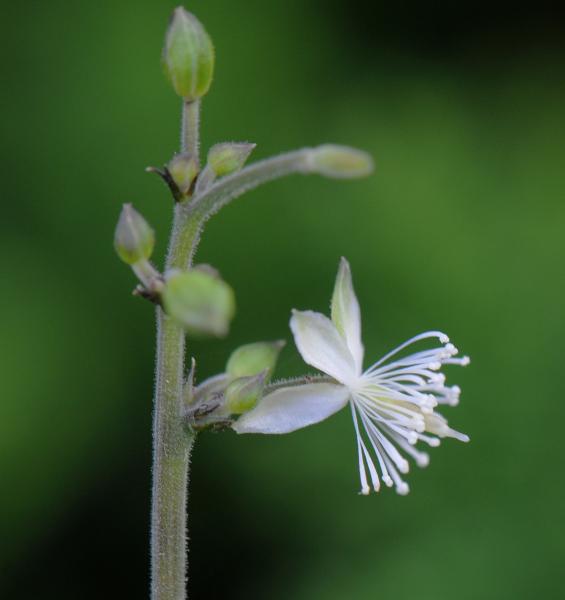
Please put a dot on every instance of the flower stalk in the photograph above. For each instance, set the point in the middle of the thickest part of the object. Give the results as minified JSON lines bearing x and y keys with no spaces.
{"x":172,"y":439}
{"x":190,"y":128}
{"x":172,"y":443}
{"x":189,"y":299}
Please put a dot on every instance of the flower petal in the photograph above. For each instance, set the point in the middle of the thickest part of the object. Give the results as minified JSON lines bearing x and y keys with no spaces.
{"x":346,"y":314}
{"x":321,"y":345}
{"x":290,"y":408}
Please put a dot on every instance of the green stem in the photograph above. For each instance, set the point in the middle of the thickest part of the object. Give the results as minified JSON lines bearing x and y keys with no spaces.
{"x":185,"y":237}
{"x":172,"y":442}
{"x":190,"y":128}
{"x":171,"y":453}
{"x":193,"y":214}
{"x":232,"y":186}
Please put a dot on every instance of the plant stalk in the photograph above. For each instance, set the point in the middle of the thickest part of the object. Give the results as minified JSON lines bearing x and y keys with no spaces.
{"x":190,"y":128}
{"x":172,"y":441}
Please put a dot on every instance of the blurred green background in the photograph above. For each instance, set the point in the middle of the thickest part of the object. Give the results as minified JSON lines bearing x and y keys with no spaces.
{"x":461,"y":228}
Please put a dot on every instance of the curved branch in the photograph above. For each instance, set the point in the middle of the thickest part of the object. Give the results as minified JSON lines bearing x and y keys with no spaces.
{"x":228,"y":188}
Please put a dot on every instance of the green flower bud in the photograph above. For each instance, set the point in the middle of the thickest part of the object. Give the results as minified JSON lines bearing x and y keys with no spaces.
{"x":229,"y":157}
{"x":203,"y":304}
{"x":243,"y":393}
{"x":252,"y":359}
{"x":134,"y":239}
{"x":208,"y":269}
{"x":183,"y":170}
{"x":340,"y":162}
{"x":188,"y":55}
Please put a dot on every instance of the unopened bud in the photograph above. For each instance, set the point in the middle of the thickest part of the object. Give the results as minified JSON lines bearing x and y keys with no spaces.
{"x":183,"y":169}
{"x":252,"y":359}
{"x":340,"y":162}
{"x":134,"y":239}
{"x":208,"y":269}
{"x":243,"y":393}
{"x":229,"y":157}
{"x":188,"y":55}
{"x":203,"y":304}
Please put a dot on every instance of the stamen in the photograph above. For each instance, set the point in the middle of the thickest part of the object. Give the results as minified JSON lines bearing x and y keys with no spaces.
{"x":429,"y":334}
{"x":406,"y":416}
{"x":365,"y":490}
{"x":426,"y":370}
{"x":434,"y":442}
{"x":374,"y":475}
{"x":396,"y":402}
{"x":401,"y":486}
{"x":463,"y":361}
{"x":396,"y":411}
{"x":394,"y":391}
{"x":404,"y":394}
{"x":422,"y":458}
{"x":412,"y":360}
{"x":438,"y":379}
{"x":408,"y":434}
{"x":376,"y":436}
{"x":376,"y":447}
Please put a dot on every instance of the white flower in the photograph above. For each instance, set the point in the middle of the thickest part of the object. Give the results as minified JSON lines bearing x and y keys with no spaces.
{"x":394,"y":401}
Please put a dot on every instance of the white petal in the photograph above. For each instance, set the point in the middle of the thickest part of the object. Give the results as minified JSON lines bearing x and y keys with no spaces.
{"x":346,"y":314}
{"x":321,"y":345}
{"x":291,"y":408}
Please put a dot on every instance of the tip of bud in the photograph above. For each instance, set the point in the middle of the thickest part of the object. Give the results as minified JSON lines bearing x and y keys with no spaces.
{"x":134,"y":239}
{"x":229,"y":157}
{"x":188,"y":55}
{"x":340,"y":162}
{"x":252,"y":359}
{"x":183,"y":169}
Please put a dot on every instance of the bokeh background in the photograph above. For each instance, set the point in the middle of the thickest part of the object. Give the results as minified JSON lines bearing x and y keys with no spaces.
{"x":461,"y":228}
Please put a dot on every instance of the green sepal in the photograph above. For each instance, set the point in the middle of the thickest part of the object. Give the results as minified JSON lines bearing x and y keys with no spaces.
{"x":252,"y":359}
{"x":202,"y":303}
{"x":188,"y":55}
{"x":243,"y":393}
{"x":229,"y":157}
{"x":134,"y":238}
{"x":340,"y":162}
{"x":183,"y":169}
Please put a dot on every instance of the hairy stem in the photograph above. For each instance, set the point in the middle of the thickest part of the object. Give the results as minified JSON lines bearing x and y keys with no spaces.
{"x":185,"y":237}
{"x":190,"y":127}
{"x":172,"y":442}
{"x":192,"y":214}
{"x":171,"y":450}
{"x":228,"y":188}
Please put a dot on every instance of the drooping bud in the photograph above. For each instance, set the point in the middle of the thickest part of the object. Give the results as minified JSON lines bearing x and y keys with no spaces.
{"x":252,"y":359}
{"x":340,"y":162}
{"x":183,"y":170}
{"x":243,"y":393}
{"x":134,"y":239}
{"x":229,"y":157}
{"x":202,"y":303}
{"x":188,"y":55}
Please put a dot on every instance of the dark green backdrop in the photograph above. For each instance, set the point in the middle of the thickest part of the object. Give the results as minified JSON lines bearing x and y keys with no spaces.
{"x":461,"y":228}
